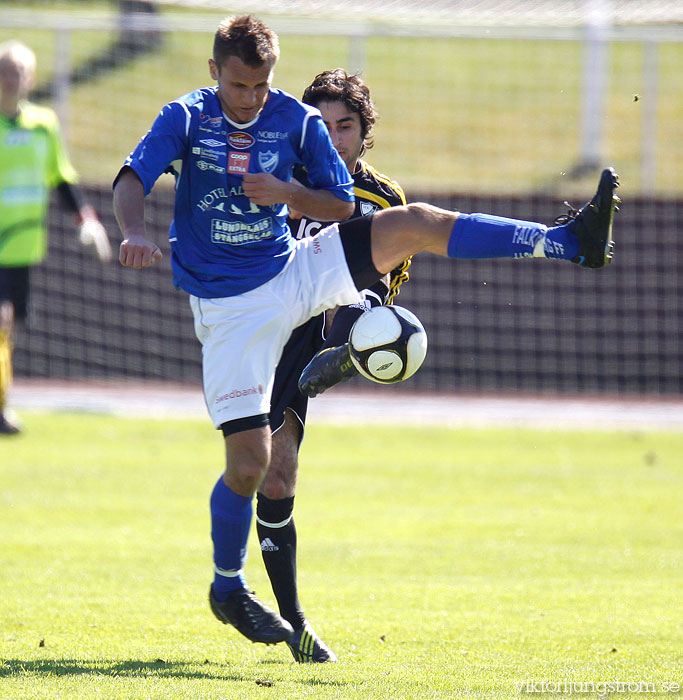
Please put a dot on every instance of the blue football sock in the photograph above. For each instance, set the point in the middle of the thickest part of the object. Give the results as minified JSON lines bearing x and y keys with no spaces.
{"x":561,"y":243}
{"x":230,"y":523}
{"x":485,"y":236}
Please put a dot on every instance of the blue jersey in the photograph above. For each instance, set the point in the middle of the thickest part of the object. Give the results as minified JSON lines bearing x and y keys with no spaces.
{"x":222,"y":244}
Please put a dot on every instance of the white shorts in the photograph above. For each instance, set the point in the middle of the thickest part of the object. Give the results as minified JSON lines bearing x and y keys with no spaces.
{"x":243,"y":336}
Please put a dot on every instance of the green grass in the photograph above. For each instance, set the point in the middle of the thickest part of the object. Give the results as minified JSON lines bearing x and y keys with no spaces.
{"x":455,"y":115}
{"x":437,"y":563}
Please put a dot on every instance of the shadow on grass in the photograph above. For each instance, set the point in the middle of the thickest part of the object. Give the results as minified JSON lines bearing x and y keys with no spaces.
{"x":103,"y":667}
{"x":141,"y":669}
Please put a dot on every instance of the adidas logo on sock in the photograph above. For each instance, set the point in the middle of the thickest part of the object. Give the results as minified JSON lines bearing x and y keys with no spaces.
{"x":267,"y":545}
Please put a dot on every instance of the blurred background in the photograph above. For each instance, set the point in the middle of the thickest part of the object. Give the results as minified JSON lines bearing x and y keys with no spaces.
{"x":504,"y":106}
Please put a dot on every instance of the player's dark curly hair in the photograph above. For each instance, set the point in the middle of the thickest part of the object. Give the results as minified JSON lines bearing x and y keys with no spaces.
{"x":247,"y":38}
{"x":338,"y":86}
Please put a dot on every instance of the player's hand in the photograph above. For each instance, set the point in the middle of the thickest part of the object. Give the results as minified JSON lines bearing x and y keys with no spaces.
{"x":91,"y":232}
{"x":264,"y":189}
{"x":137,"y":251}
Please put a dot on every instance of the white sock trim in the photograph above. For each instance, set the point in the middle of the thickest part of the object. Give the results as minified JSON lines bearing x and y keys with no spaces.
{"x":228,"y":573}
{"x":539,"y":247}
{"x":274,"y":525}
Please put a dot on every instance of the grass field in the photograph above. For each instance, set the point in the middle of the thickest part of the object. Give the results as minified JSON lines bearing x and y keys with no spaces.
{"x":455,"y":115}
{"x":437,"y":563}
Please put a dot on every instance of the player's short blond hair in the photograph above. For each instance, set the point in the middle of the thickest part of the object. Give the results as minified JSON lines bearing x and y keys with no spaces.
{"x":19,"y":54}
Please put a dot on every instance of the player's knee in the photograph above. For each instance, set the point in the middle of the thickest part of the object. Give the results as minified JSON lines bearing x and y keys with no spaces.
{"x":247,"y":460}
{"x":280,"y":480}
{"x":422,"y":220}
{"x":277,"y":485}
{"x":244,"y":476}
{"x":429,"y":226}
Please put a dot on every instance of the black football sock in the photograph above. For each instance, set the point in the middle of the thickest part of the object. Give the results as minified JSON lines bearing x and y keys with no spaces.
{"x":343,"y":321}
{"x":277,"y":535}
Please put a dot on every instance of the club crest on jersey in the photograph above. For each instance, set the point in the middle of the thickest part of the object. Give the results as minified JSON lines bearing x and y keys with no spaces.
{"x":366,"y":208}
{"x":240,"y":140}
{"x":268,"y":160}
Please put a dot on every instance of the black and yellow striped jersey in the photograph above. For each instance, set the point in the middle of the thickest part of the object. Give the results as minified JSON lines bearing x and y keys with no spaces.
{"x":373,"y":192}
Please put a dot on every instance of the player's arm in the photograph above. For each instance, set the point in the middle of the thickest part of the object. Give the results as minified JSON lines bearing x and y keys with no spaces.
{"x":328,"y":193}
{"x":90,"y":229}
{"x":129,"y":207}
{"x":164,"y":143}
{"x":265,"y":189}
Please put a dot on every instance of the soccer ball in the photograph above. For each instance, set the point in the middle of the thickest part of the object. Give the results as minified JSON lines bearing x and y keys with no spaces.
{"x":388,"y":344}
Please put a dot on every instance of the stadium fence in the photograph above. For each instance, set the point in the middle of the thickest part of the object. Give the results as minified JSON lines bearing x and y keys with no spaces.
{"x":491,"y":106}
{"x":496,"y":325}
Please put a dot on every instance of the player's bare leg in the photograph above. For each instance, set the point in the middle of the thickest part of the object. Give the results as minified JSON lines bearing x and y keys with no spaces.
{"x":584,"y":237}
{"x":277,"y":535}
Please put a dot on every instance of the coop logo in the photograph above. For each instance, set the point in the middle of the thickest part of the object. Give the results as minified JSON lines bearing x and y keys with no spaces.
{"x":240,"y":140}
{"x":239,"y":394}
{"x":238,"y":162}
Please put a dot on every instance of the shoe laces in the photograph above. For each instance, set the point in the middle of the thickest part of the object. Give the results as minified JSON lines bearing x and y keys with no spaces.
{"x":571,"y":214}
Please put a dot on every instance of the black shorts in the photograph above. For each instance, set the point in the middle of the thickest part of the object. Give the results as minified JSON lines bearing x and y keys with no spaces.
{"x":14,"y":287}
{"x":302,"y":345}
{"x":355,"y":237}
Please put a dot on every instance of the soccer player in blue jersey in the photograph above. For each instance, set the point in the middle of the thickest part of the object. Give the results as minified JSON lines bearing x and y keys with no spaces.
{"x":349,"y":114}
{"x":251,"y":283}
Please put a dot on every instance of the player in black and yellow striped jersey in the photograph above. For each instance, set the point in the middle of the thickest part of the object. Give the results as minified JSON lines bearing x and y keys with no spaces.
{"x":344,"y":101}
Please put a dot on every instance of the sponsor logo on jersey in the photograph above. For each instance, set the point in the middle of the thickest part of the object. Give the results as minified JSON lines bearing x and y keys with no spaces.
{"x":210,"y":121}
{"x":367,"y":208}
{"x":272,"y":136}
{"x":211,"y":143}
{"x":206,"y":153}
{"x":211,"y":124}
{"x":203,"y":165}
{"x":240,"y":232}
{"x":307,"y":228}
{"x":268,"y":160}
{"x":213,"y":200}
{"x":238,"y":162}
{"x":239,"y":393}
{"x":240,"y":140}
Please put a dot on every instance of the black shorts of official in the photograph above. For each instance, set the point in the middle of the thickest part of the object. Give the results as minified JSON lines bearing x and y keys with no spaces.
{"x":14,"y":287}
{"x":355,"y":238}
{"x":305,"y":341}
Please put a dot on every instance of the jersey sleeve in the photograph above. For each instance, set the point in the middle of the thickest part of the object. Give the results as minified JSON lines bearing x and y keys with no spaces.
{"x":59,"y":168}
{"x":165,"y":142}
{"x":324,"y":167}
